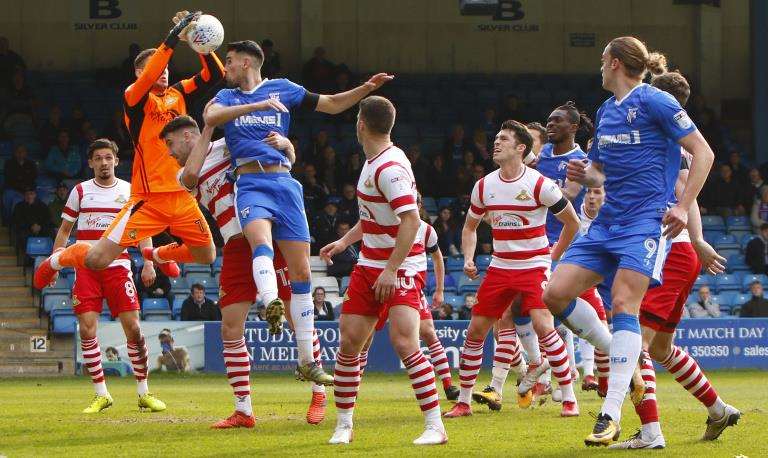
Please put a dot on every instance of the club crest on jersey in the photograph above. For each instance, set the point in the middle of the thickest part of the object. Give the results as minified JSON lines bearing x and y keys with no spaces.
{"x":631,"y":115}
{"x":245,"y":212}
{"x":121,"y":199}
{"x":523,"y":195}
{"x":562,"y":166}
{"x":75,"y":301}
{"x":274,"y":96}
{"x":132,"y":234}
{"x":368,"y":183}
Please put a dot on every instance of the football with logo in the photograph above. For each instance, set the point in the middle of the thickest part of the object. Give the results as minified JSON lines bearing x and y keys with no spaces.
{"x":207,"y":35}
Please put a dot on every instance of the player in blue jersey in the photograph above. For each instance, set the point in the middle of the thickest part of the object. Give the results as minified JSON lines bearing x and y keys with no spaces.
{"x":631,"y":158}
{"x":270,"y":202}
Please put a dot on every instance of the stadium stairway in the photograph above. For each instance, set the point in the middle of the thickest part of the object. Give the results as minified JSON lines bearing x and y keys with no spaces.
{"x":20,"y":322}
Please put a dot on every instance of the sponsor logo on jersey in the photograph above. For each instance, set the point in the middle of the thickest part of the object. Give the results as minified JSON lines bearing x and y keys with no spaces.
{"x":523,"y":195}
{"x":508,"y":220}
{"x":631,"y":115}
{"x":682,"y":120}
{"x":627,"y":138}
{"x":253,"y":120}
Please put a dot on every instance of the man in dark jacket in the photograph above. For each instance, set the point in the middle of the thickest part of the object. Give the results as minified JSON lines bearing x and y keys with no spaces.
{"x":757,"y":252}
{"x":20,"y":174}
{"x":757,"y":307}
{"x":197,"y":307}
{"x":31,"y":218}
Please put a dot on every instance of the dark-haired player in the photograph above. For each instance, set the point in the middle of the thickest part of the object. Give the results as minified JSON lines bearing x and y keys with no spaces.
{"x":539,"y":136}
{"x":268,"y":200}
{"x":662,"y":309}
{"x":518,"y":199}
{"x":94,"y":204}
{"x":157,"y":201}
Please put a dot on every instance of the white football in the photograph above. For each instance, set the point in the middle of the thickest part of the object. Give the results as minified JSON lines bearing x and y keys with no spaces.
{"x":207,"y":35}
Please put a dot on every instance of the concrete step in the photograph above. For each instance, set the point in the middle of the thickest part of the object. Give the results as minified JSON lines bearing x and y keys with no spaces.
{"x":18,"y":367}
{"x":23,"y":322}
{"x":7,"y":249}
{"x":8,"y":260}
{"x":12,"y":280}
{"x":21,"y":334}
{"x":17,"y":312}
{"x":24,"y":353}
{"x":17,"y":301}
{"x":13,"y":291}
{"x":11,"y":271}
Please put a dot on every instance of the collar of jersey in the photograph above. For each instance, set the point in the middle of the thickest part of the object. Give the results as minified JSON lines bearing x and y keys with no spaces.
{"x":117,"y":180}
{"x":618,"y":102}
{"x":256,"y":88}
{"x":550,"y":152}
{"x":525,"y":169}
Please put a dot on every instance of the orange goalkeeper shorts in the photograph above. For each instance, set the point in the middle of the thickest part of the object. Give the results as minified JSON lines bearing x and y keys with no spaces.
{"x":146,"y":215}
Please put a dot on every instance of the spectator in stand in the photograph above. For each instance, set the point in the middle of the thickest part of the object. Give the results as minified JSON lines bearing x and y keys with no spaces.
{"x":20,"y":174}
{"x":468,"y":161}
{"x":324,"y":224}
{"x":49,"y":132}
{"x":740,"y":171}
{"x":463,"y":181}
{"x":322,"y":308}
{"x":490,"y":123}
{"x":197,"y":307}
{"x":159,"y":289}
{"x":343,"y":83}
{"x":343,"y":262}
{"x":756,"y":184}
{"x":76,"y":122}
{"x":484,"y":237}
{"x":705,"y":307}
{"x":465,"y":313}
{"x":314,"y":192}
{"x":56,"y":206}
{"x":757,"y":307}
{"x":448,"y":232}
{"x":454,"y":146}
{"x":759,"y":214}
{"x":440,"y":183}
{"x":353,"y":167}
{"x":314,"y":152}
{"x":511,"y":109}
{"x":419,"y":164}
{"x":127,"y":70}
{"x":117,"y":132}
{"x":271,"y":66}
{"x":478,"y":171}
{"x":539,"y":134}
{"x":331,"y":170}
{"x":63,"y":160}
{"x":481,"y":147}
{"x":31,"y":219}
{"x":443,"y":312}
{"x":756,"y":253}
{"x":725,"y":195}
{"x":318,"y":72}
{"x":16,"y":95}
{"x":348,"y":208}
{"x":461,"y":205}
{"x":10,"y":62}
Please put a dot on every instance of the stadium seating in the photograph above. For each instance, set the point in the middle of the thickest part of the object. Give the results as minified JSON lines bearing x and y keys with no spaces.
{"x":726,"y":242}
{"x":712,"y":223}
{"x":317,"y":265}
{"x":51,"y":301}
{"x":454,"y":264}
{"x":749,"y":278}
{"x":155,"y":310}
{"x":736,"y":264}
{"x":196,"y":269}
{"x":455,"y":301}
{"x":207,"y":281}
{"x":483,"y":261}
{"x":344,"y":285}
{"x":330,"y":284}
{"x":466,"y":285}
{"x":39,"y":246}
{"x":727,"y":282}
{"x":738,"y":223}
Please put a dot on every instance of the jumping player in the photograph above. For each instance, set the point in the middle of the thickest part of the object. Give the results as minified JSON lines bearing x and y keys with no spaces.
{"x":268,"y":200}
{"x":386,"y":276}
{"x":662,"y":308}
{"x":518,"y":199}
{"x":157,"y":201}
{"x":426,"y":239}
{"x":94,"y":204}
{"x":204,"y":169}
{"x":630,"y":155}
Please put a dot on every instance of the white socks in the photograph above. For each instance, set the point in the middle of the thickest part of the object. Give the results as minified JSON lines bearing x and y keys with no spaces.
{"x":582,"y":319}
{"x":264,"y":274}
{"x":624,"y":354}
{"x":529,"y":340}
{"x":303,"y":317}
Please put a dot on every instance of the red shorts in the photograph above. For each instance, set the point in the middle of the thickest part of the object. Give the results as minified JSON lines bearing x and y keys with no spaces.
{"x":425,"y":313}
{"x":500,"y":287}
{"x":662,"y":307}
{"x":360,"y":300}
{"x":595,"y":301}
{"x":115,"y":284}
{"x":236,"y":281}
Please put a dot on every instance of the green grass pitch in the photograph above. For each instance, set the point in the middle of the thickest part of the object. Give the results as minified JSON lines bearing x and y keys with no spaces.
{"x":41,"y":417}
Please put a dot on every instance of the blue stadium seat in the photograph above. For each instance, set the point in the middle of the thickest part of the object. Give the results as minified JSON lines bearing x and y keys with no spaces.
{"x":712,"y":223}
{"x":64,"y":323}
{"x":176,"y":310}
{"x":429,"y":204}
{"x":344,"y":285}
{"x":741,"y":299}
{"x":179,"y":283}
{"x":157,"y":315}
{"x":736,"y":311}
{"x":745,"y":239}
{"x":738,"y":223}
{"x":483,"y":261}
{"x":196,"y":269}
{"x":725,"y":310}
{"x":450,"y":285}
{"x":52,"y":301}
{"x":728,"y":252}
{"x":430,"y":264}
{"x":728,"y":298}
{"x":727,"y":282}
{"x":205,"y":280}
{"x":455,"y":301}
{"x":60,"y":287}
{"x":216,"y":266}
{"x":736,"y":263}
{"x":155,"y":305}
{"x":454,"y":264}
{"x":749,"y":278}
{"x":726,"y":242}
{"x":704,"y":279}
{"x":739,"y":233}
{"x":39,"y":246}
{"x":711,"y":236}
{"x":330,"y":284}
{"x":469,"y":286}
{"x":445,"y":202}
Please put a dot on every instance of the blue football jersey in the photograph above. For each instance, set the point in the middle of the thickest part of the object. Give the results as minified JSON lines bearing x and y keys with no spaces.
{"x":554,"y":167}
{"x":245,"y":135}
{"x":632,"y":142}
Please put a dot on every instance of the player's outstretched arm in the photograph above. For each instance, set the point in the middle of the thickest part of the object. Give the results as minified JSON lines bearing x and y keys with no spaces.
{"x":337,"y":103}
{"x":217,"y":114}
{"x":197,"y":86}
{"x":156,"y":63}
{"x":191,"y":172}
{"x":570,"y":221}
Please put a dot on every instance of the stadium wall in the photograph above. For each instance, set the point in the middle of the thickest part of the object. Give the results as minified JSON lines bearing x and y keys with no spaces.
{"x":538,"y":36}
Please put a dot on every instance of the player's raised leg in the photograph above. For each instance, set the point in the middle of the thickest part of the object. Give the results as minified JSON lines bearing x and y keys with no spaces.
{"x":78,"y":255}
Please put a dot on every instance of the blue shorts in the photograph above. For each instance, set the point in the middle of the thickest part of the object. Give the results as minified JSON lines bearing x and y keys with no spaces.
{"x":274,"y":196}
{"x":638,"y":246}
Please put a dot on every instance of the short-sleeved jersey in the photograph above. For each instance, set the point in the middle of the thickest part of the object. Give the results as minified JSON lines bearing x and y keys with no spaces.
{"x":518,"y":213}
{"x":426,"y":237}
{"x":385,"y":189}
{"x":685,"y":161}
{"x":554,"y":167}
{"x":632,"y":143}
{"x":147,"y":112}
{"x":94,"y":207}
{"x":245,"y":135}
{"x":584,"y":221}
{"x":215,"y":192}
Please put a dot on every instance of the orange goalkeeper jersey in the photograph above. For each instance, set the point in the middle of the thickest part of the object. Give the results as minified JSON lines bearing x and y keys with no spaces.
{"x":147,"y":112}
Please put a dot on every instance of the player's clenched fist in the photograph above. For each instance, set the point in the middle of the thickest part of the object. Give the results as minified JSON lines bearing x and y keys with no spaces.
{"x":576,"y":170}
{"x":470,"y":269}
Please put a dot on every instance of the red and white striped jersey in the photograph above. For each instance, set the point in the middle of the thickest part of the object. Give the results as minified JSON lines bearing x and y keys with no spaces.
{"x":94,"y":207}
{"x":518,"y":214}
{"x":426,"y":237}
{"x":215,"y":192}
{"x":385,"y":189}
